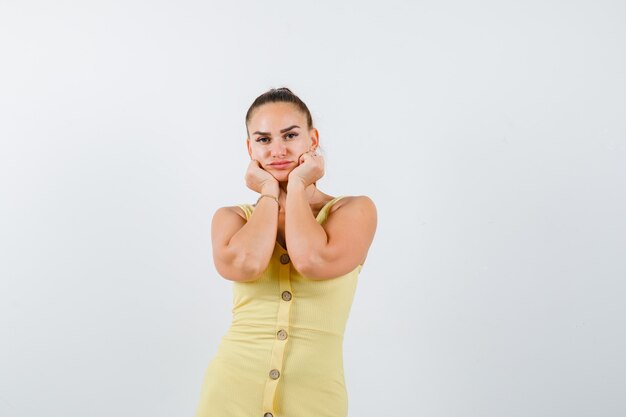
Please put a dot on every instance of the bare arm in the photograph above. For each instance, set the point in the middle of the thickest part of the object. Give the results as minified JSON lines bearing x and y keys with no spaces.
{"x":242,"y":250}
{"x":334,"y":248}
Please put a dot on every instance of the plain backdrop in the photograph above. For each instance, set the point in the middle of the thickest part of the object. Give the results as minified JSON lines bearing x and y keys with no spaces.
{"x":491,"y":136}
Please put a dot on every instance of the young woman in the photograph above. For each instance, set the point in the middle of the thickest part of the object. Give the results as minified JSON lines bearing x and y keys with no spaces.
{"x":294,"y":259}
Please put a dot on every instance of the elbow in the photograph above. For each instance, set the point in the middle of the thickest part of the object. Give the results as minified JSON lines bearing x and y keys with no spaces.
{"x":251,"y":265}
{"x":248,"y":270}
{"x":237,"y":273}
{"x":306,"y":266}
{"x":241,"y":268}
{"x":318,"y":269}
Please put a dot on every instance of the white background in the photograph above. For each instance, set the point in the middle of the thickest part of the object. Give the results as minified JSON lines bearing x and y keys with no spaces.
{"x":491,"y":135}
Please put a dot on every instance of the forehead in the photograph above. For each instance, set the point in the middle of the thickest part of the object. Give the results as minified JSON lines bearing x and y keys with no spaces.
{"x":276,"y":116}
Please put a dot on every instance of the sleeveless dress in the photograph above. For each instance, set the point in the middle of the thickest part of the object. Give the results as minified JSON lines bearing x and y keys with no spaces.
{"x":282,"y":355}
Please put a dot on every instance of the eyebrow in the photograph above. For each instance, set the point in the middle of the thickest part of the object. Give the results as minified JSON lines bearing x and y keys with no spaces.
{"x":282,"y":131}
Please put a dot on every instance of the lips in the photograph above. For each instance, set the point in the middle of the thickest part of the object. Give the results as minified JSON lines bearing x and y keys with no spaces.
{"x":280,"y":164}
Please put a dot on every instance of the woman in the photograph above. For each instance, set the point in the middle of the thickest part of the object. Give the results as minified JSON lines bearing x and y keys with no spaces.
{"x":294,"y":258}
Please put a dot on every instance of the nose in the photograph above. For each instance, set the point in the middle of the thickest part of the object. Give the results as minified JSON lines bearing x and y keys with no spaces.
{"x":278,"y":149}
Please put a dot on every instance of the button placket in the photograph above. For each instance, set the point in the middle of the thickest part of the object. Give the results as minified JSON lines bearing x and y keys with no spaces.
{"x":282,"y":326}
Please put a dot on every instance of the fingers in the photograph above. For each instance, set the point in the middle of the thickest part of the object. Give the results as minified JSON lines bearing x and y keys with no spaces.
{"x":311,"y":153}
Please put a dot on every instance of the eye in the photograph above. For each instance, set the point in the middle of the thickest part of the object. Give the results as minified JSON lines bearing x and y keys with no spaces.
{"x":290,"y":134}
{"x":261,"y":139}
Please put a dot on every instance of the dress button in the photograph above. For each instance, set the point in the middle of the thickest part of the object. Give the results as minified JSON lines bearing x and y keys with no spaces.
{"x":268,"y":415}
{"x":282,"y":335}
{"x":286,"y":295}
{"x":284,"y":258}
{"x":274,"y":374}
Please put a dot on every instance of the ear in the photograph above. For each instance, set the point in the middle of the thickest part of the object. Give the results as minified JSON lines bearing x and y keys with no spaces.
{"x":248,"y":146}
{"x":315,"y":138}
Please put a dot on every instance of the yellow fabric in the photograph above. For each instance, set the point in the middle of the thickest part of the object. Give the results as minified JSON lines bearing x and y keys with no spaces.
{"x":301,"y":338}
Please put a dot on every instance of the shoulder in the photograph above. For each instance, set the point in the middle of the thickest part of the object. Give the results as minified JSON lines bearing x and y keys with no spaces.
{"x":230,"y":211}
{"x":353,"y":209}
{"x":354,"y":203}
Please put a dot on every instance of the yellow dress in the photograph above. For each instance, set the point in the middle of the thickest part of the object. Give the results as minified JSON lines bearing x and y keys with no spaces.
{"x":283,"y":353}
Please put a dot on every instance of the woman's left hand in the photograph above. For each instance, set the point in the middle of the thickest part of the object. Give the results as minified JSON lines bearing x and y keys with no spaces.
{"x":310,"y":168}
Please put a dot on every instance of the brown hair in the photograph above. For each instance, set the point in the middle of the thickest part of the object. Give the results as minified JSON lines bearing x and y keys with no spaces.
{"x":279,"y":95}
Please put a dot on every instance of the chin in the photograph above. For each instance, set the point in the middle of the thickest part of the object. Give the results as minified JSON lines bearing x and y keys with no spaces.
{"x":280,"y":172}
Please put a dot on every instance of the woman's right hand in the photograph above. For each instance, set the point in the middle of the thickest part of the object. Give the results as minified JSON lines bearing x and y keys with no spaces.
{"x":258,"y":179}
